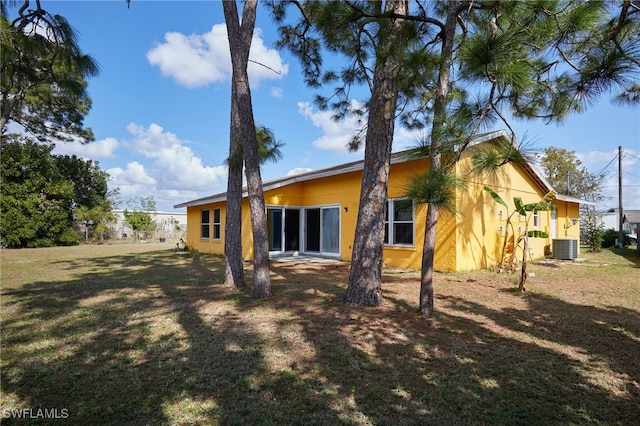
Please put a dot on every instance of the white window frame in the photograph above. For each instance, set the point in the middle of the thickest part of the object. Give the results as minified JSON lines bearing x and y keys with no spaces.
{"x":536,"y":219}
{"x":390,"y":221}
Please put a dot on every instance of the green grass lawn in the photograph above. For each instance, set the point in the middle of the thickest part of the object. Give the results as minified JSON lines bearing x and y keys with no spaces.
{"x":138,"y":334}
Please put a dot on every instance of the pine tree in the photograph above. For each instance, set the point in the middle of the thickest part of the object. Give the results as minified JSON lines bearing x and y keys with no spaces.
{"x":43,"y":76}
{"x":243,"y":127}
{"x":524,"y":59}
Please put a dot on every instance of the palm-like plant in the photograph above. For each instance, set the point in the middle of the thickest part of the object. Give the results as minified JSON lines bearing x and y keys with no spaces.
{"x":510,"y":243}
{"x":269,"y":149}
{"x":43,"y":76}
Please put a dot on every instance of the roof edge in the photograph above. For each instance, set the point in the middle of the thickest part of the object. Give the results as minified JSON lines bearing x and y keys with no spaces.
{"x":358,"y":165}
{"x":571,"y":199}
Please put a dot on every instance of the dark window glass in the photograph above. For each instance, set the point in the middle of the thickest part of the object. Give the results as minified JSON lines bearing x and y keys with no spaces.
{"x":216,"y":224}
{"x":204,"y":224}
{"x":403,"y":233}
{"x":386,"y":222}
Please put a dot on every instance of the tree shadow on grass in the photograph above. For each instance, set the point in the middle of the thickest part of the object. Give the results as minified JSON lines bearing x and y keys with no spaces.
{"x":632,"y":255}
{"x":581,"y":360}
{"x":398,"y":368}
{"x":132,"y":342}
{"x":157,"y":339}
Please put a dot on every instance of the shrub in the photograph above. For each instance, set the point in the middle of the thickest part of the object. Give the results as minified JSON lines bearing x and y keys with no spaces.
{"x":610,"y":236}
{"x":593,"y":232}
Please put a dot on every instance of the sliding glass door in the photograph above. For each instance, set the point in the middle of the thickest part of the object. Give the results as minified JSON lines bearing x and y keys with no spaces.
{"x":274,"y":229}
{"x":319,"y":233}
{"x":331,"y":230}
{"x":312,"y":230}
{"x":322,"y":230}
{"x":283,"y":228}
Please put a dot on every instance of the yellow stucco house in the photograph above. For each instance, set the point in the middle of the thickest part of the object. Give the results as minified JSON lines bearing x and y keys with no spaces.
{"x":315,"y":214}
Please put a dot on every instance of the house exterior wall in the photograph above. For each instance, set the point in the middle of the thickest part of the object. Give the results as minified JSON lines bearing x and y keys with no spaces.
{"x":481,"y":223}
{"x":343,"y":191}
{"x":466,"y":241}
{"x":193,"y":232}
{"x":568,"y":220}
{"x":411,"y":257}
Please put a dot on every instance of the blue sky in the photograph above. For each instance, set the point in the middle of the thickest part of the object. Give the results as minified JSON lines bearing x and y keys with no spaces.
{"x":160,"y":110}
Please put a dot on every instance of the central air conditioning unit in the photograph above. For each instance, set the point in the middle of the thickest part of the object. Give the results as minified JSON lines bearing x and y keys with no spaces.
{"x":564,"y":248}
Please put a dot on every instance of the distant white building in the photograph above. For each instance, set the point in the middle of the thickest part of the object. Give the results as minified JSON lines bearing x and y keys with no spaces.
{"x":631,"y":220}
{"x":170,"y":225}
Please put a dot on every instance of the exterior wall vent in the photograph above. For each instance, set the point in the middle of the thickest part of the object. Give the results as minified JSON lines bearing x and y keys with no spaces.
{"x":564,"y":248}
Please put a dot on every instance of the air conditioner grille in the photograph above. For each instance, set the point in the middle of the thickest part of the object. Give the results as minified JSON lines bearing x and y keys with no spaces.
{"x":564,"y":248}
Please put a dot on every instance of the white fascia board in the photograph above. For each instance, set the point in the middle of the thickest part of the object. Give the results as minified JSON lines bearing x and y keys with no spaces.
{"x":334,"y":171}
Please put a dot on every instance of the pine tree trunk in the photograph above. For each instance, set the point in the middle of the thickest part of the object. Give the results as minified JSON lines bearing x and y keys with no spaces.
{"x":239,"y":45}
{"x":365,"y":278}
{"x":234,"y":270}
{"x":428,"y":257}
{"x":439,"y":110}
{"x":3,"y":123}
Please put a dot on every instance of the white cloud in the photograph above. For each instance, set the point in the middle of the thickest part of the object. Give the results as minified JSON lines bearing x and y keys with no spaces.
{"x":104,"y":148}
{"x":135,"y":173}
{"x":336,"y":134}
{"x":200,"y":59}
{"x":149,"y":141}
{"x":596,"y":160}
{"x":161,"y":165}
{"x":158,"y":164}
{"x":167,"y":198}
{"x":276,"y":92}
{"x":265,"y":63}
{"x":298,"y":171}
{"x":133,"y":182}
{"x":175,"y":165}
{"x":178,"y":167}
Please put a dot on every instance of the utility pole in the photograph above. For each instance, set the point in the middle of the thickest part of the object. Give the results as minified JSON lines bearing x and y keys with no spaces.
{"x":620,"y":212}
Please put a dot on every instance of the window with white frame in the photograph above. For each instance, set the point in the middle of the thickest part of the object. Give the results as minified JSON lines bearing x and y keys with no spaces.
{"x":398,"y":221}
{"x":216,"y":224}
{"x":536,"y":219}
{"x":205,"y":224}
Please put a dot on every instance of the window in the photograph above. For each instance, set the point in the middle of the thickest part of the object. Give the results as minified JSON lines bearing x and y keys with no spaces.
{"x":536,"y":219}
{"x":204,"y":224}
{"x":216,"y":224}
{"x":398,"y":228}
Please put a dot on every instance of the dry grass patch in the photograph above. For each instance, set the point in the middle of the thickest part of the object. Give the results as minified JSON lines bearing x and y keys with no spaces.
{"x":138,"y":334}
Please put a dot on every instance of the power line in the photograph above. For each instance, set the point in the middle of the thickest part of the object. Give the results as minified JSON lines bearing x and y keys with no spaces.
{"x":628,"y":153}
{"x":607,"y":166}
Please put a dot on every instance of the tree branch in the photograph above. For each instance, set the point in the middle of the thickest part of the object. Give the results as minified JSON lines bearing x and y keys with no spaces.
{"x":393,"y":15}
{"x":266,"y":66}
